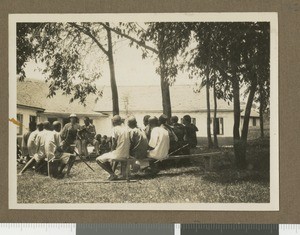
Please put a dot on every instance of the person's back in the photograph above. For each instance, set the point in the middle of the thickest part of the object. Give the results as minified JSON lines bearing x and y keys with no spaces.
{"x":57,"y":138}
{"x":159,"y":142}
{"x":31,"y":143}
{"x":42,"y":142}
{"x":179,"y":131}
{"x":50,"y":143}
{"x":138,"y":139}
{"x":178,"y":128}
{"x":191,"y":136}
{"x":121,"y":136}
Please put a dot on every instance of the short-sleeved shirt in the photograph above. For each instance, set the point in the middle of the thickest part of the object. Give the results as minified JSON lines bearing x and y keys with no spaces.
{"x":52,"y":142}
{"x":191,"y":136}
{"x":139,"y":143}
{"x":121,"y":136}
{"x":160,"y":142}
{"x":41,"y":141}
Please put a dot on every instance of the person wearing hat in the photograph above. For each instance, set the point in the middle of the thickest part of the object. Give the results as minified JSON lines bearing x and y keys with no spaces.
{"x":69,"y":134}
{"x":120,"y":147}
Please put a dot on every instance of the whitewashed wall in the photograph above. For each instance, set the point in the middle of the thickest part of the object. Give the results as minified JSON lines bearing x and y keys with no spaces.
{"x":103,"y":125}
{"x":26,"y":114}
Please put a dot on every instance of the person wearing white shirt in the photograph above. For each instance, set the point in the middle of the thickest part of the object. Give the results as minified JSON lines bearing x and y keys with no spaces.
{"x":120,"y":147}
{"x":159,"y":141}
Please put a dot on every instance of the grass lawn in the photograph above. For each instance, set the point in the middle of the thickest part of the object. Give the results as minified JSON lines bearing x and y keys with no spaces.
{"x":175,"y":183}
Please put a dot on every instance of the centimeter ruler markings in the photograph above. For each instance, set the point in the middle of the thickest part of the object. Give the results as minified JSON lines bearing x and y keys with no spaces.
{"x":148,"y":229}
{"x":37,"y":229}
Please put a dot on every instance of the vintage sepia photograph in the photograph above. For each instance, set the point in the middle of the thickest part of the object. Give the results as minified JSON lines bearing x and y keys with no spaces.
{"x":144,"y":111}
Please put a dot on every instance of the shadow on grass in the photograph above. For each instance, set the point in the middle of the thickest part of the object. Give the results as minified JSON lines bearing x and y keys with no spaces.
{"x":163,"y":174}
{"x":231,"y":176}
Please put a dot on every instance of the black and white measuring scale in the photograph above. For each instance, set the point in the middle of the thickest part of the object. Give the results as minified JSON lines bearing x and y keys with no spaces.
{"x":149,"y":229}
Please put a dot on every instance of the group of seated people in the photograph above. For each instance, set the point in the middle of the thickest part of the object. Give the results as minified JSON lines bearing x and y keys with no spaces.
{"x":159,"y":139}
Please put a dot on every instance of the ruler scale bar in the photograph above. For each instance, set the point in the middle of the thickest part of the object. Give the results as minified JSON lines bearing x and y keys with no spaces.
{"x":125,"y":229}
{"x":229,"y":229}
{"x":148,"y":229}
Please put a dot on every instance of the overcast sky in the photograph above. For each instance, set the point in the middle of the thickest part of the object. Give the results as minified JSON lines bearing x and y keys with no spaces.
{"x":130,"y":68}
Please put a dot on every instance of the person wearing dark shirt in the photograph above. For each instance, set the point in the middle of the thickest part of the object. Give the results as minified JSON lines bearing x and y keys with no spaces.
{"x":69,"y":135}
{"x":178,"y":128}
{"x":180,"y":132}
{"x":191,"y":130}
{"x":173,"y":138}
{"x":147,"y":126}
{"x":105,"y":145}
{"x":138,"y":140}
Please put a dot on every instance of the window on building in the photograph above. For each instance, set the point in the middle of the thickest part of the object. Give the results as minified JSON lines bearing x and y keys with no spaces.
{"x":20,"y":128}
{"x":32,"y":119}
{"x":219,"y":126}
{"x":194,"y":121}
{"x":254,"y":121}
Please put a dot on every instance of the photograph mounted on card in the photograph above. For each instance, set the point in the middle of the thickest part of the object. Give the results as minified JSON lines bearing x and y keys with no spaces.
{"x":168,"y":111}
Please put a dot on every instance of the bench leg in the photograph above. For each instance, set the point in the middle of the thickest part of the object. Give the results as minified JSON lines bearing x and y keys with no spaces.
{"x":125,"y":170}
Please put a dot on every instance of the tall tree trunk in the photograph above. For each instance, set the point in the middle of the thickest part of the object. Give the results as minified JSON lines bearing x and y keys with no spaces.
{"x":113,"y":84}
{"x":164,"y":83}
{"x":209,"y":140}
{"x":216,"y":144}
{"x":237,"y":108}
{"x":248,"y":110}
{"x":237,"y":144}
{"x":166,"y":100}
{"x":261,"y":115}
{"x":243,"y":147}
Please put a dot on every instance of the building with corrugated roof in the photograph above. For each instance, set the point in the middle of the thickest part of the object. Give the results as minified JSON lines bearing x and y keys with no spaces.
{"x":34,"y":105}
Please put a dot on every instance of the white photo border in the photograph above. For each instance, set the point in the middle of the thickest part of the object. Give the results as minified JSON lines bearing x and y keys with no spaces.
{"x":271,"y":17}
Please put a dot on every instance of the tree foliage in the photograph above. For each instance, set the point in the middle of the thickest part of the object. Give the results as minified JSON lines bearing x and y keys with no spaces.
{"x":231,"y":55}
{"x":64,"y":49}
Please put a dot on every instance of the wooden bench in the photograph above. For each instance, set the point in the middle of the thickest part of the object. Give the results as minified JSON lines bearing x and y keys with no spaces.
{"x":126,"y":163}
